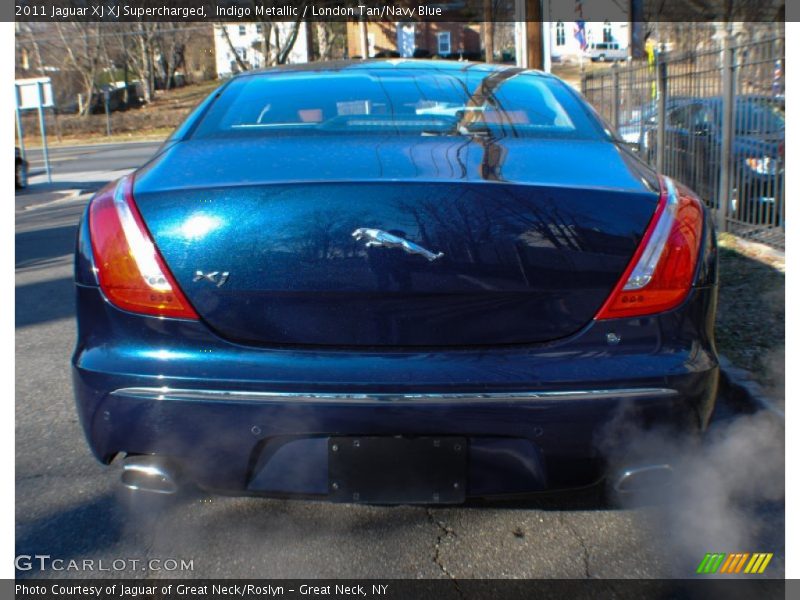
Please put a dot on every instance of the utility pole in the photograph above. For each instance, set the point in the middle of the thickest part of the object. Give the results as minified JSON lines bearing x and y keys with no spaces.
{"x":488,"y":31}
{"x":529,"y":34}
{"x":535,"y":46}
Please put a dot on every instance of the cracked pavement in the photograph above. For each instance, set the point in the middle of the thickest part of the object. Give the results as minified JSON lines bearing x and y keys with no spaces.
{"x":69,"y":506}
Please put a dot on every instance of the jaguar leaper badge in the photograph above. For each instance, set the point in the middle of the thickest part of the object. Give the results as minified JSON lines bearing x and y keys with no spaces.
{"x":379,"y":238}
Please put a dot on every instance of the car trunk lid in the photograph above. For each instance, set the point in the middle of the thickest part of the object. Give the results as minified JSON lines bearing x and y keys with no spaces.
{"x":447,"y":260}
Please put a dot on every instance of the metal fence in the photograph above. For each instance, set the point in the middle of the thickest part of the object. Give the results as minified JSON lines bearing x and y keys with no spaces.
{"x":713,"y":120}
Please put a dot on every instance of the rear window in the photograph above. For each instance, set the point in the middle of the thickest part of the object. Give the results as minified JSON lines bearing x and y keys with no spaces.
{"x":399,"y":102}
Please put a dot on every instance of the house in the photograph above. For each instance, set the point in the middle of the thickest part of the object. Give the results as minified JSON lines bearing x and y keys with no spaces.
{"x":566,"y":47}
{"x":416,"y":39}
{"x":247,"y":40}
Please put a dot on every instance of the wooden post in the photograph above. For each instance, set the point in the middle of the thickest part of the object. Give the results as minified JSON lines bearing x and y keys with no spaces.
{"x":488,"y":31}
{"x":533,"y":25}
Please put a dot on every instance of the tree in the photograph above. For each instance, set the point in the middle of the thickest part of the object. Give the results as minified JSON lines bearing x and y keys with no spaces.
{"x":279,"y":39}
{"x":244,"y":66}
{"x":83,"y":45}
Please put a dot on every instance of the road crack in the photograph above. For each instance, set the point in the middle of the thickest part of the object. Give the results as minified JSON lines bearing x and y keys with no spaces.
{"x":584,"y":548}
{"x":443,"y":532}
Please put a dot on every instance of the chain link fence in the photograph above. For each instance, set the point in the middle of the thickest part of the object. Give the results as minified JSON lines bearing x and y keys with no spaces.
{"x":713,"y":120}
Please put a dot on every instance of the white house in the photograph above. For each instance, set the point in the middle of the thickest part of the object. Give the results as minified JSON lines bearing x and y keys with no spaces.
{"x":247,"y":40}
{"x":564,"y":45}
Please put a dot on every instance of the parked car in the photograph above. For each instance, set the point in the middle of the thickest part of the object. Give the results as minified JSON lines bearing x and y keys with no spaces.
{"x":20,"y":170}
{"x":640,"y":130}
{"x":603,"y":51}
{"x":693,"y":144}
{"x":117,"y":98}
{"x":392,"y":281}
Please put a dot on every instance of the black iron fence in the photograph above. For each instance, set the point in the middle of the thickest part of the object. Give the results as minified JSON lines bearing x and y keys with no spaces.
{"x":713,"y":120}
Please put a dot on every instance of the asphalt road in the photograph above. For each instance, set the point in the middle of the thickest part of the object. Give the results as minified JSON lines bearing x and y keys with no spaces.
{"x":80,"y":169}
{"x":728,"y":496}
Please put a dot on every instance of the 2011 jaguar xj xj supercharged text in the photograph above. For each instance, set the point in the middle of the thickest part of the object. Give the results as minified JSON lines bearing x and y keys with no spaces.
{"x":397,"y":281}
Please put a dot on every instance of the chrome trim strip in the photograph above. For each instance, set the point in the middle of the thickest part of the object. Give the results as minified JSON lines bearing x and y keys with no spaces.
{"x":166,"y":393}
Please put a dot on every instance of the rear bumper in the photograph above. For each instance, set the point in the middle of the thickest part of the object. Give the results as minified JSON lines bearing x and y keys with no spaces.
{"x":277,"y":444}
{"x":246,"y":420}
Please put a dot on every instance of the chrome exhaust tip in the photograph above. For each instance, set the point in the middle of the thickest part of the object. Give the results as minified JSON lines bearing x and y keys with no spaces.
{"x":149,"y":473}
{"x":642,"y":477}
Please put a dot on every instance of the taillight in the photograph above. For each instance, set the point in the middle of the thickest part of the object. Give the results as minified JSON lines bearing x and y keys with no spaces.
{"x":662,"y":270}
{"x":130,"y":269}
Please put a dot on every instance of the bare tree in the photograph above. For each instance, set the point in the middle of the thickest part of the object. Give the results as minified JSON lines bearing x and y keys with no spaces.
{"x":244,"y":66}
{"x":278,"y":43}
{"x":171,"y":48}
{"x":324,"y":33}
{"x":283,"y":46}
{"x":82,"y":44}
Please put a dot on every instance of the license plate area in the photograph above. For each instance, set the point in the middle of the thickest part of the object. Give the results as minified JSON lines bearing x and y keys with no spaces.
{"x":397,"y":470}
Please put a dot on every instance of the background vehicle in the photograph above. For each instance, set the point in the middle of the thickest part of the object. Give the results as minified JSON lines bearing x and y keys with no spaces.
{"x":693,"y":146}
{"x":392,"y":281}
{"x":603,"y":51}
{"x":20,"y":170}
{"x":120,"y":97}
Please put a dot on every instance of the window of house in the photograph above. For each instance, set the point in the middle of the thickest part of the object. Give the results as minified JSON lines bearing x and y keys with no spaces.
{"x":607,"y":37}
{"x":443,"y":43}
{"x":560,"y":35}
{"x":259,"y":28}
{"x":242,"y":30}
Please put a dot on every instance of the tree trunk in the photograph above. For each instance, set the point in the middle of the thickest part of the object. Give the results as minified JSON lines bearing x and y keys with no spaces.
{"x":284,"y":52}
{"x":143,"y":74}
{"x":323,"y":40}
{"x":242,"y":65}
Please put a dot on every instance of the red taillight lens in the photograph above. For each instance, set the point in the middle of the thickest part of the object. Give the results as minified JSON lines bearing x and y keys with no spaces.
{"x":662,"y":270}
{"x":131,"y":272}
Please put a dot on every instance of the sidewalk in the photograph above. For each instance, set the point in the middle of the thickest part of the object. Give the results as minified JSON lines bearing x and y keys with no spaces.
{"x":65,"y":187}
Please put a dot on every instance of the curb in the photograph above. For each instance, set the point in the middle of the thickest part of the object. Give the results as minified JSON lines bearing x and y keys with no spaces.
{"x":742,"y":390}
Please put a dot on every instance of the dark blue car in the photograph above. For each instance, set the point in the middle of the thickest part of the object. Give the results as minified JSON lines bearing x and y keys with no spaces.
{"x":693,"y":149}
{"x":394,"y":281}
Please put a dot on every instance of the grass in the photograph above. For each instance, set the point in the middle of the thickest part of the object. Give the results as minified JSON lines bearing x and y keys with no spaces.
{"x":153,"y":135}
{"x":154,"y":121}
{"x":751,"y":312}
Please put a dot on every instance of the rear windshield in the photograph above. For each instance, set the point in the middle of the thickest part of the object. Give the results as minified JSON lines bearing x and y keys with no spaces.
{"x":506,"y":102}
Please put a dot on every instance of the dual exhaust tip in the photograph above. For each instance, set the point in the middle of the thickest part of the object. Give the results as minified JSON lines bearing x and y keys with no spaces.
{"x":154,"y":474}
{"x":641,"y":478}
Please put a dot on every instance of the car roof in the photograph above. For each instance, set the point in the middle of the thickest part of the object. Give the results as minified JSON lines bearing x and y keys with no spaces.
{"x":388,"y":64}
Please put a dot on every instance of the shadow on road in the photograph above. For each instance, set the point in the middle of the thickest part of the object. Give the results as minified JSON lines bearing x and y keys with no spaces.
{"x":41,"y":250}
{"x":40,"y":245}
{"x":44,"y":301}
{"x":72,"y":532}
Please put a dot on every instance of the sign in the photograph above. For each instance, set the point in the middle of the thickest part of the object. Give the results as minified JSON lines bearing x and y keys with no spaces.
{"x":28,"y":93}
